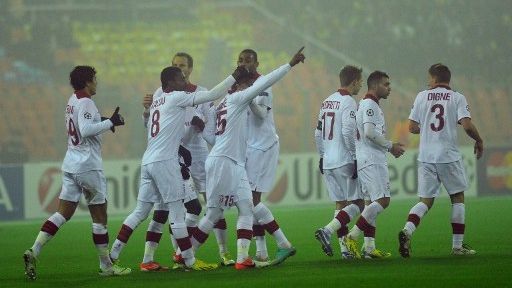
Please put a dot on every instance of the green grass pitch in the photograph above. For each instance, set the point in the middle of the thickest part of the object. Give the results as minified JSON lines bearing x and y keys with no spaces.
{"x":69,"y":260}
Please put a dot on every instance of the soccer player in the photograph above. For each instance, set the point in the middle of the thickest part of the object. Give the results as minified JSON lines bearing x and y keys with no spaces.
{"x":193,"y":142}
{"x":82,"y":172}
{"x":161,"y":180}
{"x":335,"y":141}
{"x":226,"y":177}
{"x":261,"y":165}
{"x":435,"y":115}
{"x":371,"y":148}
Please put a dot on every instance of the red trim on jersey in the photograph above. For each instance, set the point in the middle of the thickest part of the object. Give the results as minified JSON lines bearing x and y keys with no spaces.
{"x":442,"y":86}
{"x":190,"y":87}
{"x":344,"y":92}
{"x":82,"y":94}
{"x":371,"y":96}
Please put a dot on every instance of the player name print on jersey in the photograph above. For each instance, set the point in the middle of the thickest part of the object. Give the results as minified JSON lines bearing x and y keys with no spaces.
{"x":438,"y":96}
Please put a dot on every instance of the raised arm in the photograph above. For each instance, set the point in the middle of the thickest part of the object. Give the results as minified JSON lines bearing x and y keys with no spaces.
{"x":222,"y":88}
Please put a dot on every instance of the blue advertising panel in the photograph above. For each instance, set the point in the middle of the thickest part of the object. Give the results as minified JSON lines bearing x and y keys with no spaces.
{"x":11,"y":192}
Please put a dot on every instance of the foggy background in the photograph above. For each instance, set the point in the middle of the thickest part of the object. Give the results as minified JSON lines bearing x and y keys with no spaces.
{"x":129,"y":42}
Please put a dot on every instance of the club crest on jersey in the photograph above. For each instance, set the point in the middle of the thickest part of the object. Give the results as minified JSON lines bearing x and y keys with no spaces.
{"x":352,"y":114}
{"x":87,"y":115}
{"x":369,"y":112}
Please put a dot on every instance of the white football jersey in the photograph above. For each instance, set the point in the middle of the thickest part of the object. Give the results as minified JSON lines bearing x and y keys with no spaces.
{"x":231,"y":134}
{"x":367,"y":152}
{"x":262,"y":132}
{"x":84,"y":126}
{"x":438,"y":111}
{"x":337,"y":121}
{"x":192,"y":140}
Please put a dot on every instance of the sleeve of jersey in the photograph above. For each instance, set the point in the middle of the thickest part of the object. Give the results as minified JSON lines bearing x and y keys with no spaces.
{"x":318,"y":137}
{"x":348,"y":129}
{"x":210,"y":126}
{"x":261,"y":84}
{"x":463,"y":108}
{"x":259,"y":110}
{"x":369,"y":127}
{"x":218,"y":91}
{"x":376,"y":137}
{"x":414,"y":116}
{"x":85,"y":121}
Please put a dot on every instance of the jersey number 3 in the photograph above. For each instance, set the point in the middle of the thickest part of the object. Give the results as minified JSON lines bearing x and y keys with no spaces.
{"x":324,"y":116}
{"x":439,"y":110}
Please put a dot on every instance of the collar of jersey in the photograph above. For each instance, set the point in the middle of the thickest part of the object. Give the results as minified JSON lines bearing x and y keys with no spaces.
{"x":442,"y":86}
{"x":82,"y":94}
{"x":371,"y":96}
{"x":344,"y":92}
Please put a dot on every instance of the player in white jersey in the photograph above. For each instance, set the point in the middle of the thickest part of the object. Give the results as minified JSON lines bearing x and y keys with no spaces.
{"x":82,"y":170}
{"x":371,"y":148}
{"x":226,"y":178}
{"x":435,"y":115}
{"x":335,"y":142}
{"x":161,"y":180}
{"x":261,"y":165}
{"x":193,"y":142}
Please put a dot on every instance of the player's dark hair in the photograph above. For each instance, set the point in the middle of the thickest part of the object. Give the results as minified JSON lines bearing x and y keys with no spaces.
{"x":80,"y":75}
{"x":250,"y":51}
{"x":440,"y":72}
{"x":169,"y":73}
{"x":190,"y":60}
{"x":350,"y":74}
{"x":375,"y":78}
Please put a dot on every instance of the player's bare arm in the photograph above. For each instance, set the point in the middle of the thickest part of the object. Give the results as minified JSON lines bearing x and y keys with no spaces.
{"x":472,"y":132}
{"x":414,"y":127}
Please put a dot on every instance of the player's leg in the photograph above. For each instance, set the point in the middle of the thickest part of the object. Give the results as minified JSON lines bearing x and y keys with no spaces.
{"x":94,"y":188}
{"x":138,"y":215}
{"x":244,"y":234}
{"x":148,"y":195}
{"x":375,"y":180}
{"x":259,"y":232}
{"x":68,"y":201}
{"x":428,"y":190}
{"x":153,"y":236}
{"x":340,"y":186}
{"x":198,"y":172}
{"x":455,"y":181}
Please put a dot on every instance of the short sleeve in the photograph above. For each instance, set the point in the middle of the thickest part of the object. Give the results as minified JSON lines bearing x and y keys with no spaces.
{"x":415,"y":109}
{"x":463,"y":110}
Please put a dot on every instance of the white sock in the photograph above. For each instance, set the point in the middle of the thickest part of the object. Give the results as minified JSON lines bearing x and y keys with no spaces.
{"x":100,"y":235}
{"x":43,"y":237}
{"x":415,"y":214}
{"x":264,"y":217}
{"x":458,"y":223}
{"x":369,"y":244}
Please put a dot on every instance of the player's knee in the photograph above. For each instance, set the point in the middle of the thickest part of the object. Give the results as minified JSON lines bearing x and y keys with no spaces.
{"x":193,"y":207}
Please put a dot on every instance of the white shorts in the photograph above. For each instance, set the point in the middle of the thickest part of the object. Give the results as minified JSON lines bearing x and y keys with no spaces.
{"x":226,"y":183}
{"x":340,"y":185}
{"x":431,"y":175}
{"x":374,"y":181}
{"x":161,"y":182}
{"x":91,"y":183}
{"x":261,"y":168}
{"x":198,"y":174}
{"x":190,"y":194}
